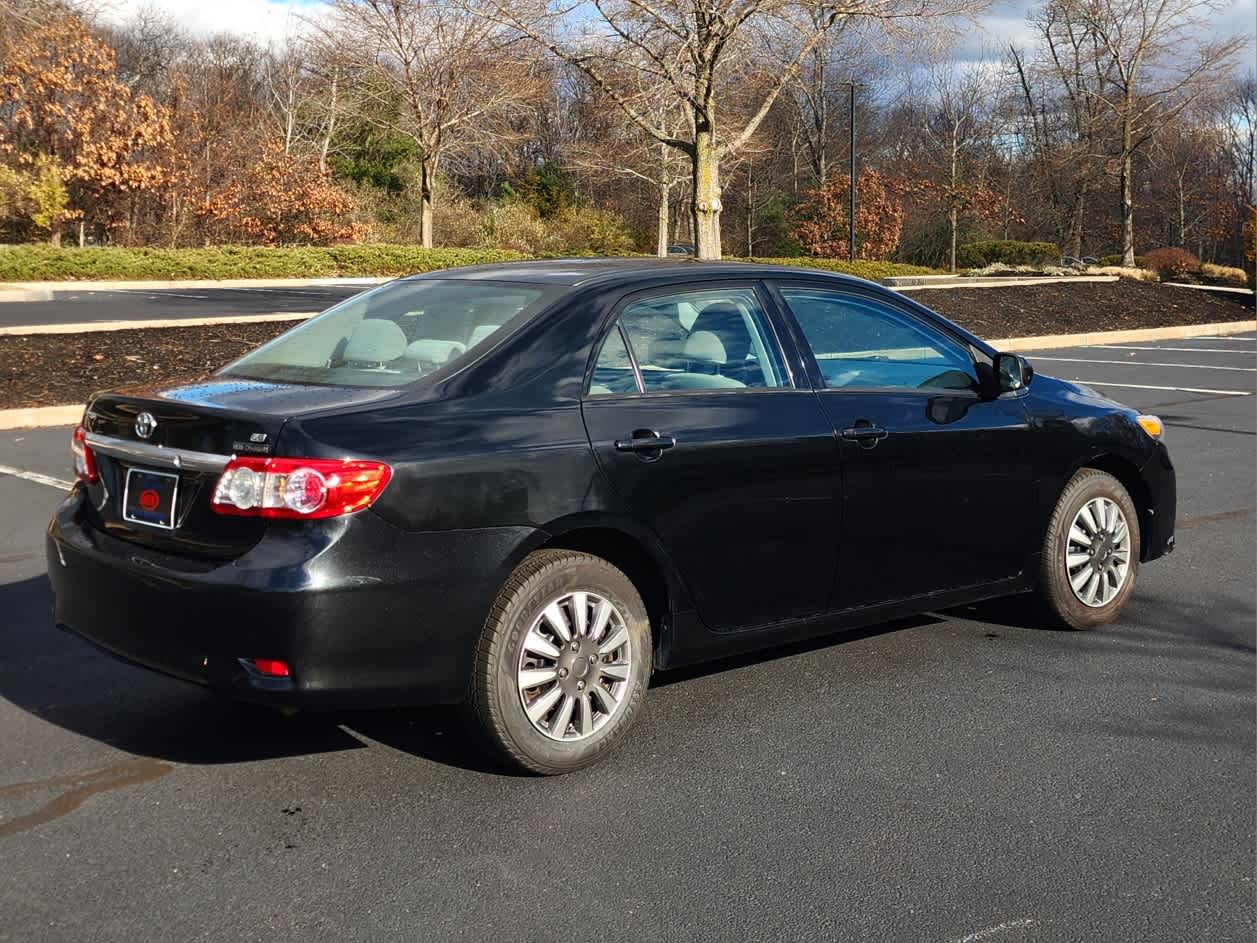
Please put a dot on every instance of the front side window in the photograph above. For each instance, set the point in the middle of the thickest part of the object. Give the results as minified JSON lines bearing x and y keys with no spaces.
{"x":715,"y":339}
{"x":394,"y":334}
{"x":859,"y":343}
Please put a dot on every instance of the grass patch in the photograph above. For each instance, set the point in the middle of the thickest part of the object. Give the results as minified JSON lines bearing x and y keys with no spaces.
{"x":861,"y":268}
{"x":46,"y":263}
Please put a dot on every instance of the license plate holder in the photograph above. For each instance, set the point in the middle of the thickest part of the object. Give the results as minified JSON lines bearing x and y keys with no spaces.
{"x":150,"y":497}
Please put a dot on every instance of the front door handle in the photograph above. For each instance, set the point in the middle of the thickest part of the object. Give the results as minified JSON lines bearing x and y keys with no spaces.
{"x":645,"y":442}
{"x":865,"y":433}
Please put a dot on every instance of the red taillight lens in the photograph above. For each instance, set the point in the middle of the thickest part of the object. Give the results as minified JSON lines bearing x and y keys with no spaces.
{"x":272,"y":667}
{"x":298,"y":487}
{"x":84,"y":460}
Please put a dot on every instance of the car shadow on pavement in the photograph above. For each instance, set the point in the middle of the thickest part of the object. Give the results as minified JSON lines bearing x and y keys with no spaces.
{"x":66,"y":681}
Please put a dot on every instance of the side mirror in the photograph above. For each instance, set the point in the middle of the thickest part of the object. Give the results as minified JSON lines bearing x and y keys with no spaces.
{"x":1012,"y":373}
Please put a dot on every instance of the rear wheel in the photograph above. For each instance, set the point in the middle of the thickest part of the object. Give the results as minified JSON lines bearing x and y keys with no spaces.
{"x":1091,"y":552}
{"x":563,"y":663}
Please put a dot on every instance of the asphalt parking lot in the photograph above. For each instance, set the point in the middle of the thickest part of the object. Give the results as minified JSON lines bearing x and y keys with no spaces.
{"x":962,"y":777}
{"x":70,"y":306}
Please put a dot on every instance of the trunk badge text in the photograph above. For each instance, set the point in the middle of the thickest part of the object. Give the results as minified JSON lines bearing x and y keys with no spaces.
{"x":145,"y":424}
{"x":256,"y":444}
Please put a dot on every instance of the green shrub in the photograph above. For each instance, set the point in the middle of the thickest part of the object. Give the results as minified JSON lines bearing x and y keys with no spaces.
{"x":1171,"y":262}
{"x":873,"y":270}
{"x":46,"y":263}
{"x":1006,"y":252}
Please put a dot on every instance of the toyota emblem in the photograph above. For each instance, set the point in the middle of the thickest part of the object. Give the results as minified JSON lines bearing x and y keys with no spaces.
{"x":144,"y":425}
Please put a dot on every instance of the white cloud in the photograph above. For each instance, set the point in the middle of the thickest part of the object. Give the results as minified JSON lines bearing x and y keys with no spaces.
{"x":263,"y":20}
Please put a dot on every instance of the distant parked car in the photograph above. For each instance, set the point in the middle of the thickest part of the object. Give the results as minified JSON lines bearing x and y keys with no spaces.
{"x":681,"y":249}
{"x":525,"y":487}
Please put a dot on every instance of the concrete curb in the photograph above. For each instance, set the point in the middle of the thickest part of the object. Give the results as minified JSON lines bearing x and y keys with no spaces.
{"x":43,"y":416}
{"x":43,"y":291}
{"x":40,"y":416}
{"x":1053,"y":341}
{"x":89,"y":327}
{"x":909,"y":283}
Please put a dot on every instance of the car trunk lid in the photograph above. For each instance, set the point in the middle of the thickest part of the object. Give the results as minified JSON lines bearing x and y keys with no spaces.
{"x":171,"y":444}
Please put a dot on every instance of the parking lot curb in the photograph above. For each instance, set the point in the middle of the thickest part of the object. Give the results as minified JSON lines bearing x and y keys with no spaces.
{"x":40,"y":417}
{"x":43,"y":291}
{"x":92,"y":327}
{"x":1053,"y":341}
{"x":46,"y":416}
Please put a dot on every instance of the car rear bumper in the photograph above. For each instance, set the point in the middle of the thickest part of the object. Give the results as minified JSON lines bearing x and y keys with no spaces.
{"x":365,"y":614}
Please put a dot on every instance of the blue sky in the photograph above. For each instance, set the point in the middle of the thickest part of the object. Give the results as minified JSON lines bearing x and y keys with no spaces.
{"x":268,"y":19}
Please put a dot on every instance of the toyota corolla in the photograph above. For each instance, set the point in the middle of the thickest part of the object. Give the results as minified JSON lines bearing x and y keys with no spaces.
{"x":524,"y":488}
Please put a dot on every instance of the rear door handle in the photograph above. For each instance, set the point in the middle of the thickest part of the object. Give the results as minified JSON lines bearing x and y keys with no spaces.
{"x":645,"y":440}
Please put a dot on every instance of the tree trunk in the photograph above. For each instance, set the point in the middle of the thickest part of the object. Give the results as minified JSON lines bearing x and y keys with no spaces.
{"x":1128,"y":203}
{"x":661,"y":247}
{"x":954,"y":218}
{"x":54,"y":235}
{"x":705,"y":205}
{"x":1073,"y":244}
{"x":330,"y":128}
{"x":427,"y":180}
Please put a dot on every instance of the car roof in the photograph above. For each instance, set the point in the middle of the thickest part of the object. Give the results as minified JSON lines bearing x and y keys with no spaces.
{"x":620,"y":271}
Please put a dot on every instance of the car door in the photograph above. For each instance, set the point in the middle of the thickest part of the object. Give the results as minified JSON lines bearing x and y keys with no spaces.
{"x":696,"y":421}
{"x":938,"y":484}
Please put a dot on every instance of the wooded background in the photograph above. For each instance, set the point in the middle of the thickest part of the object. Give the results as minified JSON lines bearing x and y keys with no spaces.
{"x":614,"y":126}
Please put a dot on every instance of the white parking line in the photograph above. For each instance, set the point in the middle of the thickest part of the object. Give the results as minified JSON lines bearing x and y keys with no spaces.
{"x":1173,"y":389}
{"x":36,"y":477}
{"x":1181,"y":350}
{"x":175,"y":294}
{"x":1145,"y":363}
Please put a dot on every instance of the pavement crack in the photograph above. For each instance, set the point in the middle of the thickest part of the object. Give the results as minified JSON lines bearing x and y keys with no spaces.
{"x":77,"y":789}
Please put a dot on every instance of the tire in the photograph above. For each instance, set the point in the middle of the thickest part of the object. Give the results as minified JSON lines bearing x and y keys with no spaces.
{"x":1069,"y":561}
{"x":520,"y":635}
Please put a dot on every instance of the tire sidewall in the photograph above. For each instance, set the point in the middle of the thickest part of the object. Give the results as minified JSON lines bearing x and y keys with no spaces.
{"x":523,"y":609}
{"x":1086,"y":486}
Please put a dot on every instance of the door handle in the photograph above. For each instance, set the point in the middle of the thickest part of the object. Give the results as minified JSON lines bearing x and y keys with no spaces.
{"x":865,"y":433}
{"x":645,"y":440}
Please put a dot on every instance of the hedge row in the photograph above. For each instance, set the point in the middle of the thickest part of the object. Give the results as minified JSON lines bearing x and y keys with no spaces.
{"x":1006,"y":252}
{"x":861,"y":268}
{"x":46,"y":263}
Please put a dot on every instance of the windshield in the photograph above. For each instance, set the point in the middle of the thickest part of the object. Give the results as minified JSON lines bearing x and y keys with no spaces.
{"x":394,"y":334}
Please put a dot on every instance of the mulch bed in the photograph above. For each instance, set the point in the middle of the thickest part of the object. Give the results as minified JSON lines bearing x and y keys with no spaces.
{"x":1080,"y":307}
{"x":56,"y":369}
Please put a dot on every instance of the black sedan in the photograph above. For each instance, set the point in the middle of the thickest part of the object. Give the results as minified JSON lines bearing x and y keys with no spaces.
{"x":525,"y":487}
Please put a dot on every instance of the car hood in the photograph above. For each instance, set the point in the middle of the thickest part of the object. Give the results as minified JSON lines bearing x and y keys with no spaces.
{"x":1045,"y":385}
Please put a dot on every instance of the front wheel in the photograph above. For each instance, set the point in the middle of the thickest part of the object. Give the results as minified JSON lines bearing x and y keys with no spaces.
{"x":562,"y":664}
{"x":1091,"y":552}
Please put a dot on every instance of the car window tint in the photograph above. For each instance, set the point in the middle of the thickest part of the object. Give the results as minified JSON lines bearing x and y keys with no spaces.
{"x":613,"y":373}
{"x":862,"y":344}
{"x":703,"y":340}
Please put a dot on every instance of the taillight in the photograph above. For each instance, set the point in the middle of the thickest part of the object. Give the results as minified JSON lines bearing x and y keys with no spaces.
{"x":84,"y":460}
{"x":298,"y":487}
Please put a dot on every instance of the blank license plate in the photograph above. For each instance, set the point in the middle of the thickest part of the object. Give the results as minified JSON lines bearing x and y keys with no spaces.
{"x":149,"y":498}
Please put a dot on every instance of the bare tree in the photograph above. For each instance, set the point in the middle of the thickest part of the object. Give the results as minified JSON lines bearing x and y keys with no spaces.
{"x":698,"y":50}
{"x":1157,"y":60}
{"x":433,"y":72}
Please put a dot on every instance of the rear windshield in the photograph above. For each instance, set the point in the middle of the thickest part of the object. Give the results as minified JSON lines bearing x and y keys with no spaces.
{"x":394,"y":334}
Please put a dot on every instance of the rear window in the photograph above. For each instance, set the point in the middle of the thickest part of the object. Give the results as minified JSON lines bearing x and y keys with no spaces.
{"x":394,"y":334}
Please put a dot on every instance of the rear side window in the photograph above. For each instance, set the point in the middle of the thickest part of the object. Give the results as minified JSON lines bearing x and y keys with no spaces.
{"x":394,"y":334}
{"x":716,"y":339}
{"x":859,"y":343}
